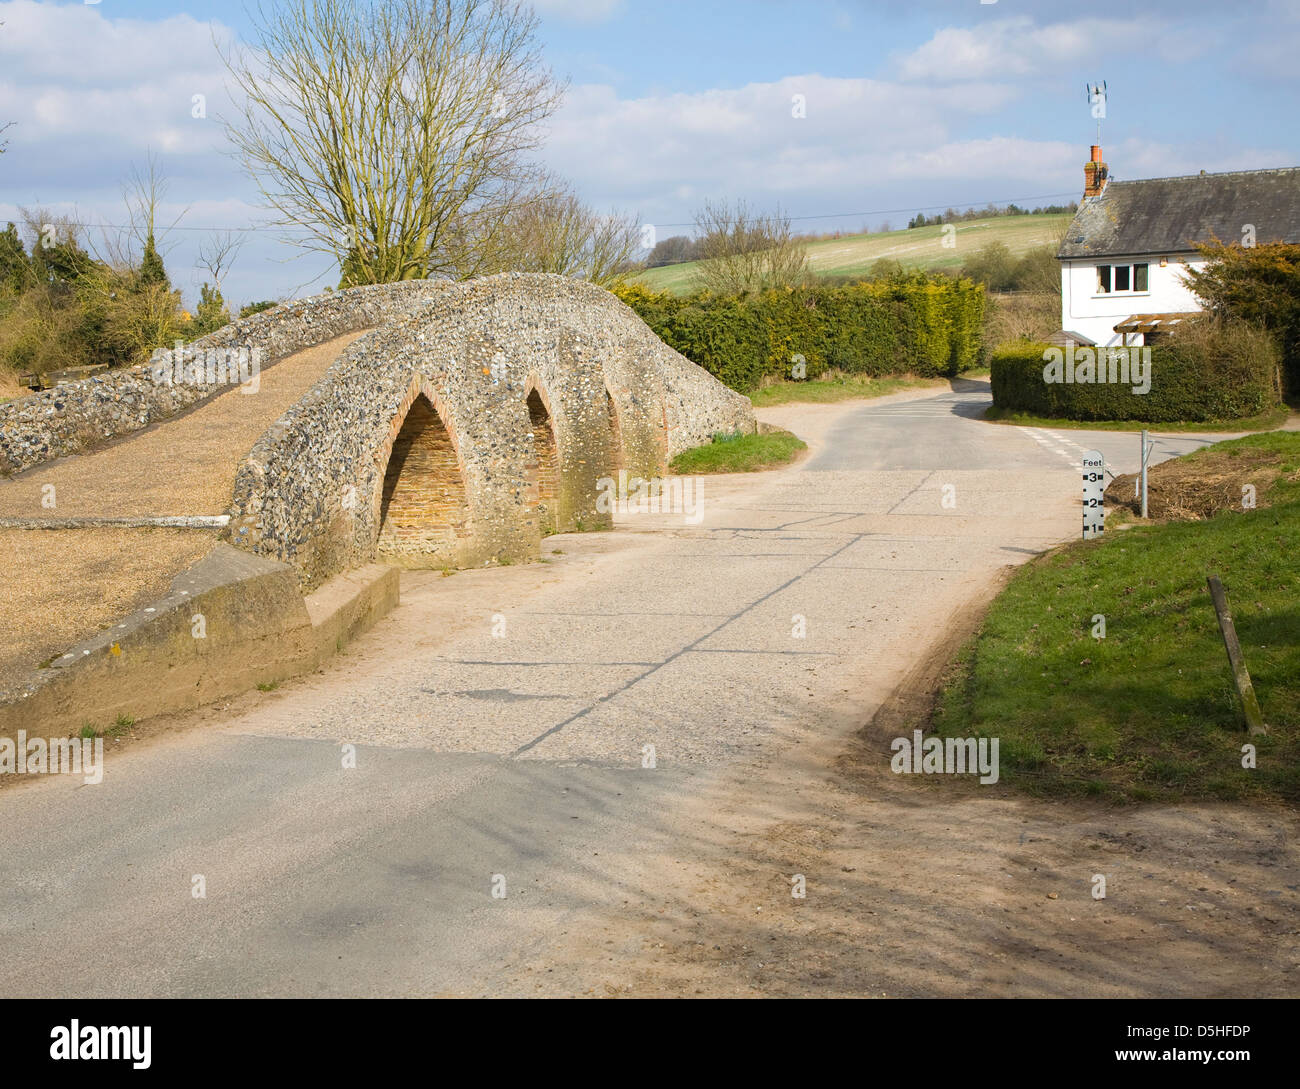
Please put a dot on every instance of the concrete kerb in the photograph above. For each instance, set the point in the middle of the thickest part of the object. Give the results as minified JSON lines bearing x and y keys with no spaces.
{"x":230,"y":622}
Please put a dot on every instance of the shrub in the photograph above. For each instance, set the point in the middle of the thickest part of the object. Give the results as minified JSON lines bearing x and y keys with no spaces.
{"x":1256,"y":284}
{"x":61,"y":308}
{"x":1209,"y":372}
{"x":927,"y":325}
{"x":1037,"y":270}
{"x":993,"y":266}
{"x":211,"y":314}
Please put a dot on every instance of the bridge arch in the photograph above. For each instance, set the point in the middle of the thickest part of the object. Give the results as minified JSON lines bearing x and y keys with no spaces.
{"x":545,"y":467}
{"x":615,"y":430}
{"x":424,"y":512}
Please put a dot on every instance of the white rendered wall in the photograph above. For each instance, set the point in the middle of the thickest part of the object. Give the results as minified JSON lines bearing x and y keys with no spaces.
{"x":1086,"y":310}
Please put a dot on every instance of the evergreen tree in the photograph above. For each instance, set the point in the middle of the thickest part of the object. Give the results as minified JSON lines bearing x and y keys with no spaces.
{"x":211,"y":313}
{"x":151,"y":269}
{"x":15,"y":269}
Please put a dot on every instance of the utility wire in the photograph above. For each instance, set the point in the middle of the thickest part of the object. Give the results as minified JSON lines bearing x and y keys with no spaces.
{"x":793,"y":219}
{"x":912,"y":208}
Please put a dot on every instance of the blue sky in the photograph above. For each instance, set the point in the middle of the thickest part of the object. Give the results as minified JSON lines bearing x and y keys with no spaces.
{"x":909,"y":106}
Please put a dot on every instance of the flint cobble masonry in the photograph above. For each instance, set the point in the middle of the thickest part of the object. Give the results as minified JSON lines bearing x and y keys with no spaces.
{"x":76,"y":415}
{"x":472,"y":419}
{"x":426,"y":442}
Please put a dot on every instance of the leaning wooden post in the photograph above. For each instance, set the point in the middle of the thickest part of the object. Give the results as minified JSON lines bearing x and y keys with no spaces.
{"x":1246,"y":690}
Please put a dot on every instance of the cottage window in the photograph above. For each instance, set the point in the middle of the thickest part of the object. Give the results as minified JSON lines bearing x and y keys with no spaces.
{"x":1121,"y":278}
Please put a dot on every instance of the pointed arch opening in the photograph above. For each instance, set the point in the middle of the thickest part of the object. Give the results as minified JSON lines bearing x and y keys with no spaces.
{"x":619,"y":459}
{"x":546,"y":468}
{"x":424,"y":508}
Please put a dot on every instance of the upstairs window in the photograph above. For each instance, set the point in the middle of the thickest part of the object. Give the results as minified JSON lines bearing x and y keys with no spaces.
{"x":1121,"y":279}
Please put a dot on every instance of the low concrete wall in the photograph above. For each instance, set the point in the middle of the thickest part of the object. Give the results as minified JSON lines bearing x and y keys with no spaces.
{"x":229,"y":623}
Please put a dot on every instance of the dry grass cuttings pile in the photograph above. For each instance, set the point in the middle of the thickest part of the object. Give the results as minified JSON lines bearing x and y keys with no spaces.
{"x":1193,"y":488}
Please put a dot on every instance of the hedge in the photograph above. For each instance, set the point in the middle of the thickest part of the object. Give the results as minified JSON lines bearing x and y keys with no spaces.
{"x":1214,"y":375}
{"x":928,"y":325}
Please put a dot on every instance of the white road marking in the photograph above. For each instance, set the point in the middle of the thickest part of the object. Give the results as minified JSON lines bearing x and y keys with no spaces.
{"x":1058,"y":444}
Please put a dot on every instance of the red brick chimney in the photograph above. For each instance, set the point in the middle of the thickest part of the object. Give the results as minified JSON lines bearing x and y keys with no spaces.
{"x":1095,"y":173}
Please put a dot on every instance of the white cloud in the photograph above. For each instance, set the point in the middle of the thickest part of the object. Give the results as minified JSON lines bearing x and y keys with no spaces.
{"x":93,"y":95}
{"x":1142,"y":158}
{"x":579,"y":11}
{"x":89,"y":46}
{"x":111,"y":85}
{"x":1018,"y":47}
{"x":856,"y":134}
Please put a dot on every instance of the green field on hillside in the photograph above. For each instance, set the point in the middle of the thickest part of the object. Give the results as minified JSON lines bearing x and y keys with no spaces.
{"x":922,"y":247}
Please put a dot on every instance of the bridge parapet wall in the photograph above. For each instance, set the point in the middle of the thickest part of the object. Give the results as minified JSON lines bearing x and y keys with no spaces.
{"x":75,"y":415}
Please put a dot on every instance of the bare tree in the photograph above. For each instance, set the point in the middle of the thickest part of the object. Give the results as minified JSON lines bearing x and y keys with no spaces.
{"x":741,"y":250}
{"x":391,"y":133}
{"x":554,"y":231}
{"x":217,"y":255}
{"x":134,"y":245}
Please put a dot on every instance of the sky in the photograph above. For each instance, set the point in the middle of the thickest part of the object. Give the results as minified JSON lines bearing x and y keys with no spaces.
{"x":907,"y":107}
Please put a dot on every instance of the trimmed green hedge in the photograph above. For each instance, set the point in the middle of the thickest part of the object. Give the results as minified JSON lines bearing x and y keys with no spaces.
{"x":1212,"y":375}
{"x":928,"y":325}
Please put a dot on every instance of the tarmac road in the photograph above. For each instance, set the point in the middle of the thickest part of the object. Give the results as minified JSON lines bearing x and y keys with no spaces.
{"x":502,"y":721}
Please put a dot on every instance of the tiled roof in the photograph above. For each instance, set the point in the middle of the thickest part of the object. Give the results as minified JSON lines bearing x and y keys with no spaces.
{"x":1171,"y":215}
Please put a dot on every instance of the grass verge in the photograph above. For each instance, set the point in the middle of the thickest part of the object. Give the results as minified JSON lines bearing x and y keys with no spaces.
{"x":739,"y":454}
{"x":844,"y":387}
{"x":1267,"y":421}
{"x":1149,"y":711}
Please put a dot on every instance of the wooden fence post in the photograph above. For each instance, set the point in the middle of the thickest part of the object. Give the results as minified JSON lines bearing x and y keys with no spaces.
{"x":1246,"y":690}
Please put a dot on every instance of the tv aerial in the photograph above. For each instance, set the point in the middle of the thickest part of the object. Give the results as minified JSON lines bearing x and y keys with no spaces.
{"x":1097,"y":99}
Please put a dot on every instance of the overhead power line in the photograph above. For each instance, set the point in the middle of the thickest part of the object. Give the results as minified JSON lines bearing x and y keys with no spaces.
{"x":910,"y":208}
{"x":793,"y":219}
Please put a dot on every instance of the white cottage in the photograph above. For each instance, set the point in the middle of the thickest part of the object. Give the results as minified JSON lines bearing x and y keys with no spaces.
{"x":1129,"y":246}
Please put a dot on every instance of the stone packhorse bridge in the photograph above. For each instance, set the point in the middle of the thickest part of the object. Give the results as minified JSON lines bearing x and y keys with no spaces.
{"x":463,"y":434}
{"x":421,"y":424}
